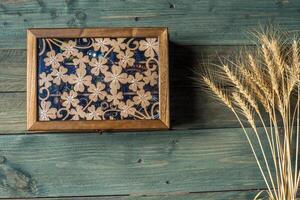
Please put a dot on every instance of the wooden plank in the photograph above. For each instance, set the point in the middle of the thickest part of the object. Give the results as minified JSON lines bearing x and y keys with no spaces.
{"x":182,"y":61}
{"x":12,"y":112}
{"x":12,"y":70}
{"x":191,"y":108}
{"x":237,"y":195}
{"x":126,"y":163}
{"x":190,"y":22}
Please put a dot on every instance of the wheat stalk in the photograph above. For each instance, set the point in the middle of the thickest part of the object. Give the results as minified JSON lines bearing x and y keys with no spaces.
{"x":267,"y":82}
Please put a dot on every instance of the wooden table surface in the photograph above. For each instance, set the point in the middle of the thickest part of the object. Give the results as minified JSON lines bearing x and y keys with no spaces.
{"x":204,"y":156}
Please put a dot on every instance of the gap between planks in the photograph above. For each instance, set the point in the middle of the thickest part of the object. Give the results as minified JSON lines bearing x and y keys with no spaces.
{"x":172,"y":195}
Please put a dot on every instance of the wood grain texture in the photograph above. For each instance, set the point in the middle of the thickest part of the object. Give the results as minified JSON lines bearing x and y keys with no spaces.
{"x":126,"y":163}
{"x":164,"y":89}
{"x":237,"y":195}
{"x":190,"y":22}
{"x":12,"y":112}
{"x":99,"y":32}
{"x":97,"y":126}
{"x":149,"y":166}
{"x":32,"y":68}
{"x":12,"y":70}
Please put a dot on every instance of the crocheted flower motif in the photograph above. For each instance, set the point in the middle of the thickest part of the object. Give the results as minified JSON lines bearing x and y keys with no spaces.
{"x":98,"y":79}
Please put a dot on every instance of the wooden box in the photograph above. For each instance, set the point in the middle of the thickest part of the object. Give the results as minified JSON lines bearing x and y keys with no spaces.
{"x":97,"y":79}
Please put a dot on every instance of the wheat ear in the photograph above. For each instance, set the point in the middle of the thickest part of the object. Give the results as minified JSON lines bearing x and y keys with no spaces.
{"x":218,"y":92}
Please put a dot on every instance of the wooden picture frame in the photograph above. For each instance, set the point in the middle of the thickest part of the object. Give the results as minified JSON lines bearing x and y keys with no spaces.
{"x":33,"y":122}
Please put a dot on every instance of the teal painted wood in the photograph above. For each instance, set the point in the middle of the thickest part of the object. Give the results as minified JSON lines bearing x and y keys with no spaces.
{"x":126,"y":163}
{"x":12,"y":112}
{"x":236,"y":195}
{"x":190,"y":22}
{"x":160,"y":165}
{"x":12,"y":70}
